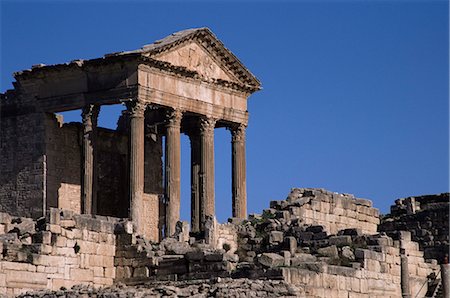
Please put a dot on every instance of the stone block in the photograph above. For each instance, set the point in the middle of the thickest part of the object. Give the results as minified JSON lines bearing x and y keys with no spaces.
{"x":340,"y":240}
{"x":81,"y":274}
{"x":329,"y":251}
{"x":276,"y":237}
{"x":300,"y":258}
{"x":110,"y":272}
{"x":103,"y":281}
{"x":271,"y":260}
{"x":287,"y":257}
{"x":29,"y":280}
{"x":61,"y":241}
{"x":18,"y":266}
{"x":98,"y":271}
{"x":347,"y":253}
{"x":291,"y":244}
{"x":141,"y":272}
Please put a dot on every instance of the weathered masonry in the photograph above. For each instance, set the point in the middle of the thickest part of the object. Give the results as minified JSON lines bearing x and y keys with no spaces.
{"x":186,"y":83}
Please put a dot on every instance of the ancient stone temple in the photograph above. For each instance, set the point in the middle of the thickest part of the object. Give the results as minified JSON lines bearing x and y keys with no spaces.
{"x":188,"y":82}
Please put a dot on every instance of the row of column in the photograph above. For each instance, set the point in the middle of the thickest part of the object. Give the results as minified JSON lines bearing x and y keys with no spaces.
{"x":202,"y":167}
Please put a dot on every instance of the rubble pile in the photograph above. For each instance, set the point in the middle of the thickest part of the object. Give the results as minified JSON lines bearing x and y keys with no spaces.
{"x":427,"y":218}
{"x":218,"y":287}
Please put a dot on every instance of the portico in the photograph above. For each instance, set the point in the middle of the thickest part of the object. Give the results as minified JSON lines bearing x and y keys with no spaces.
{"x":186,"y":83}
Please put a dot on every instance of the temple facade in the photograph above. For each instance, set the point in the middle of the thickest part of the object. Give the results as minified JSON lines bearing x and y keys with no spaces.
{"x":188,"y":82}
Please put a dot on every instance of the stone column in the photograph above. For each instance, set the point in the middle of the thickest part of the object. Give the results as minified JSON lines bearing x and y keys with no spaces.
{"x":238,"y":168}
{"x":445,"y":275}
{"x":404,"y":275}
{"x":89,"y":117}
{"x":172,"y":167}
{"x":136,"y":155}
{"x":206,"y":169}
{"x":194,"y":137}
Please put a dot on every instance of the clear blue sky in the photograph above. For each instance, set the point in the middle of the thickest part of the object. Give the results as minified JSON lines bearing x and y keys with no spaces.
{"x":355,"y":94}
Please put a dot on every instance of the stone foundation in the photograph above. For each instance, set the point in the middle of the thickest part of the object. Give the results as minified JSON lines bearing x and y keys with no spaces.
{"x":279,"y":249}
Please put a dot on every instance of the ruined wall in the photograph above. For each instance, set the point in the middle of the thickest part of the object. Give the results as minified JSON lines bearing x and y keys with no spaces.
{"x":63,"y":150}
{"x":427,"y":218}
{"x":64,"y":250}
{"x":112,"y":173}
{"x":153,"y":217}
{"x":22,"y":155}
{"x":331,"y":210}
{"x":221,"y":236}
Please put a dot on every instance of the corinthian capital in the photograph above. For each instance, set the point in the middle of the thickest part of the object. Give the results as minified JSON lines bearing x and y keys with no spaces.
{"x":238,"y":133}
{"x":174,"y":117}
{"x":136,"y":108}
{"x":207,"y":124}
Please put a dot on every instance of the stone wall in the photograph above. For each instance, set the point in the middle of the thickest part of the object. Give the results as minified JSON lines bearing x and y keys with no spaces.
{"x":427,"y":218}
{"x":63,"y":172}
{"x":22,"y":151}
{"x":331,"y":210}
{"x":61,"y":250}
{"x":221,"y":236}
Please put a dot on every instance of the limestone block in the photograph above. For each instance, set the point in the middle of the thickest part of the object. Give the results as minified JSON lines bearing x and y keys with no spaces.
{"x":369,"y":254}
{"x":340,"y":240}
{"x":276,"y":237}
{"x":87,"y":247}
{"x":30,"y":280}
{"x":300,"y":258}
{"x":68,"y":233}
{"x":100,"y":261}
{"x":55,"y":229}
{"x":64,"y":251}
{"x":287,"y":257}
{"x":81,"y":274}
{"x":17,"y":266}
{"x":2,"y":280}
{"x":46,"y":260}
{"x":337,"y":211}
{"x":141,"y":272}
{"x":103,"y":281}
{"x":106,"y":250}
{"x":61,"y":241}
{"x":347,"y":253}
{"x":372,"y":265}
{"x":291,"y":244}
{"x":110,"y":272}
{"x":271,"y":260}
{"x":72,"y":260}
{"x":329,"y":251}
{"x":57,"y":283}
{"x":330,"y":281}
{"x":98,"y":271}
{"x":123,"y":272}
{"x":67,"y":223}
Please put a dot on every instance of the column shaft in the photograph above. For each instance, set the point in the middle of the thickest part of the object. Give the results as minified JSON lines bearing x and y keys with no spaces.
{"x":239,"y":187}
{"x":89,"y":116}
{"x":206,"y":168}
{"x":195,"y":181}
{"x":172,"y":168}
{"x":136,"y":182}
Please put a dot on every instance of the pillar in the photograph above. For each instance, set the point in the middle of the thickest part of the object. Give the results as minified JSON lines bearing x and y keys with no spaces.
{"x":445,"y":275}
{"x":136,"y":155}
{"x":238,"y":168}
{"x":206,"y":169}
{"x":172,"y":168}
{"x":404,"y":275}
{"x":194,"y":138}
{"x":89,"y":115}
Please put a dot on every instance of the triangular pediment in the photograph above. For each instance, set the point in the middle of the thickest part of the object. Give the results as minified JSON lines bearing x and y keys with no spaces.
{"x":201,"y":51}
{"x":194,"y":57}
